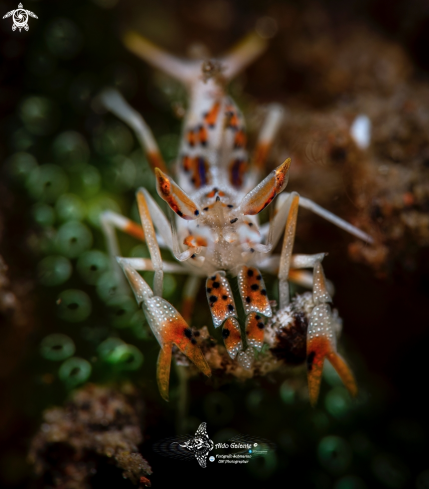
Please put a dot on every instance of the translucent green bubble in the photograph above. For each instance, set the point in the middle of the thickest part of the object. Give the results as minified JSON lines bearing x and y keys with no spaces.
{"x":63,"y":38}
{"x":390,"y":470}
{"x":74,"y":305}
{"x":106,"y":348}
{"x":73,"y":238}
{"x":120,"y":174}
{"x":287,"y":393}
{"x":100,"y":204}
{"x":219,"y":408}
{"x":87,"y":181}
{"x":40,"y":115}
{"x":350,"y":482}
{"x":334,"y":454}
{"x":47,"y":182}
{"x":263,"y":466}
{"x":140,"y":327}
{"x":74,"y":371}
{"x":126,"y":357}
{"x":57,"y":347}
{"x":43,"y":214}
{"x":70,"y":207}
{"x":71,"y":150}
{"x":121,"y":310}
{"x":19,"y":166}
{"x":91,"y":265}
{"x":113,"y":139}
{"x":337,"y":402}
{"x":108,"y":286}
{"x":54,"y":270}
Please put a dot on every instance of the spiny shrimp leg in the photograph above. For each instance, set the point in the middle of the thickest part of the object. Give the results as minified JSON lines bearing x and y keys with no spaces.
{"x":167,"y":325}
{"x":321,"y":340}
{"x":114,"y":101}
{"x":287,"y":248}
{"x":303,"y":278}
{"x":109,"y":221}
{"x":182,"y":70}
{"x":282,"y":211}
{"x":255,"y":302}
{"x":152,"y":243}
{"x":146,"y":265}
{"x":222,"y":307}
{"x":329,"y":216}
{"x":241,"y":55}
{"x":192,"y":283}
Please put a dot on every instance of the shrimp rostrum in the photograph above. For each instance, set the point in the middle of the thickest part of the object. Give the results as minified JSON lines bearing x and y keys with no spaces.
{"x":211,"y":226}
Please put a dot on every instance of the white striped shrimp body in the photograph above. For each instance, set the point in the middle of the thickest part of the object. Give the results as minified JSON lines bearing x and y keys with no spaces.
{"x":216,"y":232}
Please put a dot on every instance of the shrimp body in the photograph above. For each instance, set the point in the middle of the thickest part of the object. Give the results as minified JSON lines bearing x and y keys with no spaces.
{"x":213,"y":228}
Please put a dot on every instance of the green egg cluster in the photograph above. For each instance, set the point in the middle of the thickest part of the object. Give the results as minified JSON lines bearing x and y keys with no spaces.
{"x":98,"y":322}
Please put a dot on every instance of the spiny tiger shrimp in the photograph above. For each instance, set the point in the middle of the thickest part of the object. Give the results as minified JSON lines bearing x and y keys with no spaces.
{"x":215,"y":232}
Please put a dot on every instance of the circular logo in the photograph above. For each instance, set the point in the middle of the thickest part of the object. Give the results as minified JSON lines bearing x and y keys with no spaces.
{"x":255,"y":444}
{"x":212,"y":459}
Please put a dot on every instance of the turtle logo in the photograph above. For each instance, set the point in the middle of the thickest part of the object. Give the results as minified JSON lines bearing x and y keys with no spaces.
{"x":20,"y":18}
{"x":200,"y":445}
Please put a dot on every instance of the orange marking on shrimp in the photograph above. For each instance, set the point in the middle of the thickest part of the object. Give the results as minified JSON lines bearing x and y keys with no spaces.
{"x":179,"y":202}
{"x":220,"y":299}
{"x":232,"y":117}
{"x":317,"y":349}
{"x":267,"y":190}
{"x":176,"y":331}
{"x":156,"y":161}
{"x":231,"y":335}
{"x":255,"y":325}
{"x":194,"y":241}
{"x":253,"y":292}
{"x":191,"y":137}
{"x":134,"y":229}
{"x":202,"y":135}
{"x":211,"y":117}
{"x":240,"y":139}
{"x":186,"y":163}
